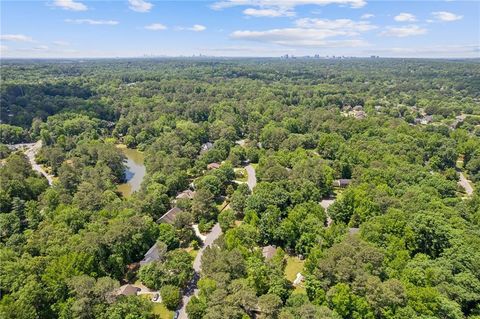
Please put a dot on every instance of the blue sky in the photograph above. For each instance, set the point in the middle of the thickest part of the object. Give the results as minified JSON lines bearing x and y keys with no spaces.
{"x":135,"y":28}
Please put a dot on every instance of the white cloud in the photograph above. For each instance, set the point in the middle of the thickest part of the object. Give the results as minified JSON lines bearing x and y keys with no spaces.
{"x":195,"y":28}
{"x":15,"y":38}
{"x":311,"y":33}
{"x":156,"y":27}
{"x":3,"y":47}
{"x":270,"y":13}
{"x":296,"y":37}
{"x":446,"y":16}
{"x":198,"y":28}
{"x":367,"y":16}
{"x":61,"y":43}
{"x":91,"y":21}
{"x":140,"y":5}
{"x":286,"y":5}
{"x":70,"y":5}
{"x":405,"y":17}
{"x":346,"y":26}
{"x":404,"y":31}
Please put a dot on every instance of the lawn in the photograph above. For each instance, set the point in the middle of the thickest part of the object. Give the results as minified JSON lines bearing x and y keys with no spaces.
{"x":159,"y":309}
{"x":192,"y":252}
{"x":294,"y":266}
{"x":241,"y":175}
{"x":221,"y":206}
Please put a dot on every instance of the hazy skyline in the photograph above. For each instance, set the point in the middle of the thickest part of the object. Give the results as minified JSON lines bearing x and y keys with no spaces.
{"x":135,"y":28}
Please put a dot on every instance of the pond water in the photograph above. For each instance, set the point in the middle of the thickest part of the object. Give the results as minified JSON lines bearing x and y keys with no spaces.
{"x":134,"y":173}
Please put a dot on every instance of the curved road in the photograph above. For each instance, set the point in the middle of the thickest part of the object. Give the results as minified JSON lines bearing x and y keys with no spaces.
{"x":210,"y":238}
{"x":31,"y":150}
{"x":197,"y":266}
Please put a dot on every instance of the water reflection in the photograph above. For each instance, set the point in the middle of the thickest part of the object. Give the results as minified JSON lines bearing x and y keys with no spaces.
{"x":134,"y":173}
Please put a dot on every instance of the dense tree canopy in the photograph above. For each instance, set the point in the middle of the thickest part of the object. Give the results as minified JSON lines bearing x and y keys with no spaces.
{"x":401,"y":239}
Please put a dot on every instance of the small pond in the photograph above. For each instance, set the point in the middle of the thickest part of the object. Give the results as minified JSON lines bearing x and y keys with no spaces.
{"x":134,"y":173}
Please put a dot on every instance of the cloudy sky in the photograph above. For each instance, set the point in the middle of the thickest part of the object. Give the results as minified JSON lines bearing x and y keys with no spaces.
{"x":135,"y":28}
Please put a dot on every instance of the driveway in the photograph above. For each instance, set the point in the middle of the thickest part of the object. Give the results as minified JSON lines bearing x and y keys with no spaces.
{"x":465,"y":184}
{"x":325,"y":203}
{"x":252,"y":177}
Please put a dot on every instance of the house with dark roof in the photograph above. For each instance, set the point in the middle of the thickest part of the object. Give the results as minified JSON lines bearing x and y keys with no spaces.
{"x":127,"y":290}
{"x":206,"y":147}
{"x":151,"y":255}
{"x":169,"y":217}
{"x":343,"y":182}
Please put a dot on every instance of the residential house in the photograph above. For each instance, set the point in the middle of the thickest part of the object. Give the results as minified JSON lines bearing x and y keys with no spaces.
{"x":151,"y":255}
{"x":213,"y":166}
{"x":169,"y":217}
{"x":127,"y":290}
{"x":206,"y":147}
{"x":268,"y":252}
{"x":188,"y":194}
{"x":343,"y":182}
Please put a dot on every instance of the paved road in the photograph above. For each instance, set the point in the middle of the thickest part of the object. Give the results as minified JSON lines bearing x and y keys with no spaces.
{"x":252,"y":177}
{"x":197,"y":266}
{"x":465,"y":184}
{"x":210,"y":238}
{"x":31,"y":150}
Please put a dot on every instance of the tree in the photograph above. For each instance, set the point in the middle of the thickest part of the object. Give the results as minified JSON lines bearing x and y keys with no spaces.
{"x":203,"y":205}
{"x":239,"y":199}
{"x":11,"y":134}
{"x":168,"y":235}
{"x":269,"y":225}
{"x":171,"y":296}
{"x":343,"y":208}
{"x":431,"y":234}
{"x":176,"y":269}
{"x":132,"y":307}
{"x":272,"y":136}
{"x":226,"y":219}
{"x":210,"y":183}
{"x":269,"y":305}
{"x":196,"y":308}
{"x":347,"y":304}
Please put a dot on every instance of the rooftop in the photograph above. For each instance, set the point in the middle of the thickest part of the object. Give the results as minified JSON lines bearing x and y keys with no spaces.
{"x":169,"y":217}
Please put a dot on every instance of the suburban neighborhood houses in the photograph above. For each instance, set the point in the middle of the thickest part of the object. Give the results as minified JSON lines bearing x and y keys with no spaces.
{"x":198,"y":187}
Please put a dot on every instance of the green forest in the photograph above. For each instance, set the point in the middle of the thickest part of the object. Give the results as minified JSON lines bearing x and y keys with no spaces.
{"x":274,"y":188}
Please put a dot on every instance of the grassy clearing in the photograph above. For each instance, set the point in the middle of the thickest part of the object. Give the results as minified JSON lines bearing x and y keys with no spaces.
{"x":192,"y":252}
{"x":159,"y":310}
{"x":221,"y":206}
{"x":294,"y":266}
{"x":299,"y":290}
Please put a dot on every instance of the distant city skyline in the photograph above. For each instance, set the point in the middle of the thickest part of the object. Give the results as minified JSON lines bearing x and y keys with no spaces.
{"x":240,"y":28}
